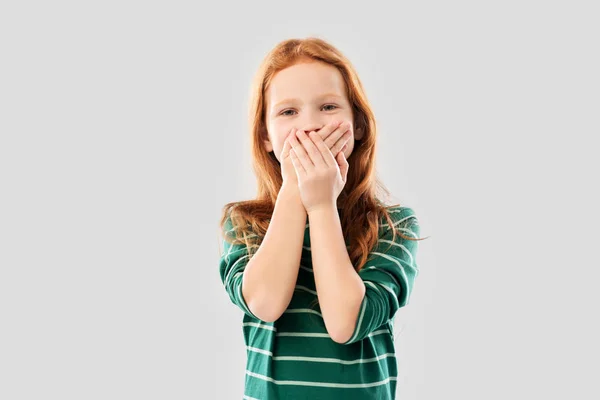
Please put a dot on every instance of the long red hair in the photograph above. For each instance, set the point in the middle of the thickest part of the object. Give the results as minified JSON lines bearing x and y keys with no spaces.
{"x":360,"y":206}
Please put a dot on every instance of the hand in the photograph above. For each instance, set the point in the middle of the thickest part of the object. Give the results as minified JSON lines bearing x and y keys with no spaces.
{"x":287,"y":168}
{"x":321,"y":172}
{"x":331,"y":134}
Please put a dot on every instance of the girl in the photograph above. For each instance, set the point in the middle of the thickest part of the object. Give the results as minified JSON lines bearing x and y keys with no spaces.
{"x":318,"y":264}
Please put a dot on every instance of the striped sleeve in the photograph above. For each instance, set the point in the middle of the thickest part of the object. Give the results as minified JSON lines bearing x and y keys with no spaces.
{"x":232,"y":263}
{"x":388,"y":274}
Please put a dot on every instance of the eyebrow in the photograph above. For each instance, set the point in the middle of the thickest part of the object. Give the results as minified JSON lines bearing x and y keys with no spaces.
{"x":320,"y":97}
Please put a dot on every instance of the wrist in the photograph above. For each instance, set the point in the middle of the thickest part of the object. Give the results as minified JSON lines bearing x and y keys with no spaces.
{"x":321,"y":210}
{"x":289,"y":187}
{"x":290,"y":192}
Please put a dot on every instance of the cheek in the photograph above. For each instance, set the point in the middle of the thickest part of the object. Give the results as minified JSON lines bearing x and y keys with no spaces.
{"x":278,"y":142}
{"x":277,"y":136}
{"x":279,"y":139}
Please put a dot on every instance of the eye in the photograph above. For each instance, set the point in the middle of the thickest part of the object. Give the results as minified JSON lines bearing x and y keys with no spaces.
{"x":284,"y":112}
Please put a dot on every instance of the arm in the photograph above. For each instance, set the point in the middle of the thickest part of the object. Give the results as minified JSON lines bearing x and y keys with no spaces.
{"x":271,"y":274}
{"x":387,"y":278}
{"x":264,"y":284}
{"x":339,"y":288}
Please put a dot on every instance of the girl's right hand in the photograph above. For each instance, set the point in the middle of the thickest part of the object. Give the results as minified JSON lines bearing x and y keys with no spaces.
{"x":333,"y":132}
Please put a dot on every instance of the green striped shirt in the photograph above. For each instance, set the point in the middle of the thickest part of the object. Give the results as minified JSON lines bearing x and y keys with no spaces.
{"x":294,"y":358}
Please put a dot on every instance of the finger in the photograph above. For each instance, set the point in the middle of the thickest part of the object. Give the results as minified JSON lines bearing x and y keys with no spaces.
{"x":298,"y":167}
{"x":300,"y":151}
{"x":310,"y":144}
{"x":326,"y":154}
{"x":343,"y":164}
{"x":337,"y":134}
{"x":308,"y":152}
{"x":343,"y":141}
{"x":328,"y":129}
{"x":285,"y":150}
{"x":286,"y":145}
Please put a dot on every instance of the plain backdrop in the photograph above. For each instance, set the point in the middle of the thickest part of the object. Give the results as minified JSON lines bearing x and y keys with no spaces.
{"x":123,"y":133}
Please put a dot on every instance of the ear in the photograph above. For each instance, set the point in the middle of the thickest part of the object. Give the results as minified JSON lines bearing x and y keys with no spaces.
{"x":359,"y":133}
{"x":265,"y":136}
{"x":268,"y":145}
{"x":359,"y":126}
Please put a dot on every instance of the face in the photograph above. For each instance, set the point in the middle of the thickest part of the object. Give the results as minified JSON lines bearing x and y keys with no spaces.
{"x":305,"y":96}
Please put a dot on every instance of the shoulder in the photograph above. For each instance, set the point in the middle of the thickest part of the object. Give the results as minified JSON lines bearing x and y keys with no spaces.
{"x":400,"y":214}
{"x":227,"y":222}
{"x":403,"y":220}
{"x":231,"y":227}
{"x":227,"y":212}
{"x":233,"y":217}
{"x":401,"y":210}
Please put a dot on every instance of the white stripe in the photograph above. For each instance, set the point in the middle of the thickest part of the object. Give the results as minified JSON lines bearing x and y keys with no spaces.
{"x":333,"y":360}
{"x":306,"y":269}
{"x":319,"y":359}
{"x":400,"y":267}
{"x":237,"y":274}
{"x":401,"y":246}
{"x":381,"y":284}
{"x":410,"y":232}
{"x":302,"y":310}
{"x":261,"y":351}
{"x":392,"y":277}
{"x":232,"y":268}
{"x":386,"y":225}
{"x":398,"y":245}
{"x":323,"y":335}
{"x":374,"y":286}
{"x":262,"y":326}
{"x":249,"y":398}
{"x":362,"y":313}
{"x":226,"y":256}
{"x":322,"y":384}
{"x":379,"y":332}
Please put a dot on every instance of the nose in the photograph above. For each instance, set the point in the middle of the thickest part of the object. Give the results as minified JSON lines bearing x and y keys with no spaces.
{"x":312,"y":122}
{"x":312,"y":127}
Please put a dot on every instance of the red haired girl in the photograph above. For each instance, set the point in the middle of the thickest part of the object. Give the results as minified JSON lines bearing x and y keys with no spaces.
{"x":317,"y":262}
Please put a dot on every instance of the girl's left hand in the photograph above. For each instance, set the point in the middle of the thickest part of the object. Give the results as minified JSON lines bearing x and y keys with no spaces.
{"x":321,"y":174}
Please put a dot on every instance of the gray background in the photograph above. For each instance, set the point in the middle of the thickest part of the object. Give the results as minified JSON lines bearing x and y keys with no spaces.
{"x":123,"y":133}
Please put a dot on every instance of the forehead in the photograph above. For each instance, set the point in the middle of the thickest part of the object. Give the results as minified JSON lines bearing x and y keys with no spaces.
{"x":304,"y":82}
